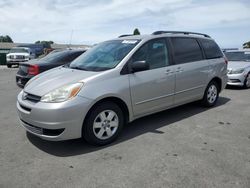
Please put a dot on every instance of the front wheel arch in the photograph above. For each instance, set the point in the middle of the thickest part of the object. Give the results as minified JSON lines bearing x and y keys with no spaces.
{"x":115,"y":100}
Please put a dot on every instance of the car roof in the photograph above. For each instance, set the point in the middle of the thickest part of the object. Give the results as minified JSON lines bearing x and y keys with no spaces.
{"x":159,"y":34}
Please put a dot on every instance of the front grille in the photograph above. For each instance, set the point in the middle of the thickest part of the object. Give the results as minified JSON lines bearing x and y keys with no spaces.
{"x":17,"y":57}
{"x":42,"y":131}
{"x":20,"y":57}
{"x":31,"y":97}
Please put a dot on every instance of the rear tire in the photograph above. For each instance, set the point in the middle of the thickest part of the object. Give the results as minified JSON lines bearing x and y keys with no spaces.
{"x":103,"y":124}
{"x":211,"y":94}
{"x":247,"y":81}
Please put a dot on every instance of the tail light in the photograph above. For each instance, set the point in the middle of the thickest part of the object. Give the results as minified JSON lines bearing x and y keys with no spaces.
{"x":33,"y":70}
{"x":226,"y":61}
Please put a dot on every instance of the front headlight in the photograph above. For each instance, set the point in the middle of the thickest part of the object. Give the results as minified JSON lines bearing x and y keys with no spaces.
{"x":239,"y":71}
{"x":62,"y":94}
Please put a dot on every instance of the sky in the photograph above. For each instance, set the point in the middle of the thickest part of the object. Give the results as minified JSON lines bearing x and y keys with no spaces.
{"x":93,"y":21}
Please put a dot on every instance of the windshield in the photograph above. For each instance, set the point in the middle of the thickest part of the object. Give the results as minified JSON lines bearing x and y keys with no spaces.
{"x":238,"y":56}
{"x":18,"y":50}
{"x":54,"y":56}
{"x":104,"y":56}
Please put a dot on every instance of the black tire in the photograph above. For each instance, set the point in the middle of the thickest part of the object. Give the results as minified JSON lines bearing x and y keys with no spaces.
{"x":247,"y":82}
{"x":88,"y":131}
{"x":9,"y":66}
{"x":206,"y":99}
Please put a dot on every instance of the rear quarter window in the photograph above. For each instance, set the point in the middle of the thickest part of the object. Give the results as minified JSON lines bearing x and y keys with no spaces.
{"x":186,"y":50}
{"x":211,"y":49}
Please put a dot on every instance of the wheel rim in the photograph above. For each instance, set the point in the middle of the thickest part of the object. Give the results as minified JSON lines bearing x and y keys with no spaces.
{"x":212,"y":94}
{"x":105,"y":124}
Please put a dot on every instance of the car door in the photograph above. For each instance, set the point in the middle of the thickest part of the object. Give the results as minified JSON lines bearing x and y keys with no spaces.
{"x":153,"y":89}
{"x":191,"y":69}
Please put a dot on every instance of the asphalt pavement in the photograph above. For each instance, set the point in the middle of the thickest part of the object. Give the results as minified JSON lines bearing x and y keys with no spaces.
{"x":188,"y":146}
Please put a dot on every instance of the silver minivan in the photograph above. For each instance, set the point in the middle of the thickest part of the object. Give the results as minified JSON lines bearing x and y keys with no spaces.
{"x":120,"y":80}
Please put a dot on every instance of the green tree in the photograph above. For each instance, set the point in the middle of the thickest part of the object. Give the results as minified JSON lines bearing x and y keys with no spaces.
{"x":246,"y":44}
{"x":46,"y":44}
{"x":5,"y":38}
{"x":136,"y":32}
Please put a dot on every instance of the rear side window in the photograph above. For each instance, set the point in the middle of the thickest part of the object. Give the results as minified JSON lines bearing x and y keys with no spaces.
{"x":186,"y":50}
{"x":211,"y":49}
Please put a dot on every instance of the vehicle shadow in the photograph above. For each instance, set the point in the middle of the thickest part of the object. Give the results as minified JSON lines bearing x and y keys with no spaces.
{"x":141,"y":126}
{"x":235,"y":87}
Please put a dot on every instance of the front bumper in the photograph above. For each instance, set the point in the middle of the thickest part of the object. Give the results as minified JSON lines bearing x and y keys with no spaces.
{"x":236,"y":79}
{"x":53,"y":121}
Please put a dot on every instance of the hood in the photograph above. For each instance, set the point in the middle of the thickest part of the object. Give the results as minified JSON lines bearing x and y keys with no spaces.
{"x":235,"y":65}
{"x":17,"y":54}
{"x":56,"y":78}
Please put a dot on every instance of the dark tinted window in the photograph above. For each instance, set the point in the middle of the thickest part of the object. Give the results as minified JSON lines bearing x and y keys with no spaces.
{"x":154,"y":52}
{"x":186,"y":50}
{"x":211,"y":49}
{"x":55,"y":56}
{"x":74,"y":55}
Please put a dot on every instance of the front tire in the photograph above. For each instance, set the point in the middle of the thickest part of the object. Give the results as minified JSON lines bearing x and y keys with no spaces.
{"x":9,"y":66}
{"x":211,"y":94}
{"x":247,"y":81}
{"x":103,"y":124}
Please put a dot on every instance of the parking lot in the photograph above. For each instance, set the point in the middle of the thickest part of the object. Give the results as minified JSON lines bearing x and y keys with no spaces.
{"x":189,"y":146}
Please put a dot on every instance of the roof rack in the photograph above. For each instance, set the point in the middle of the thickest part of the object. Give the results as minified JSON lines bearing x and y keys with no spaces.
{"x":126,"y":35}
{"x":180,"y":32}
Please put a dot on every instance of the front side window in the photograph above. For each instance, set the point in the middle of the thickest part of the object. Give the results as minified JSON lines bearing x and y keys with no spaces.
{"x":186,"y":50}
{"x":104,"y":56}
{"x":154,"y":52}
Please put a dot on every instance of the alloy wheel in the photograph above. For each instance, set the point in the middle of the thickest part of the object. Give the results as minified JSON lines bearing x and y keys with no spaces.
{"x":212,"y":94}
{"x":105,"y":124}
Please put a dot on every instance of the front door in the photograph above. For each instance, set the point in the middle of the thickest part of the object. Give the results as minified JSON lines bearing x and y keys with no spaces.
{"x":153,"y":89}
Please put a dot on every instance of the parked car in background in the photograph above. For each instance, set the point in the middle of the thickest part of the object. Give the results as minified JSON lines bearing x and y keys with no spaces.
{"x":32,"y":68}
{"x":38,"y":49}
{"x":120,"y":80}
{"x":19,"y":54}
{"x":238,"y":68}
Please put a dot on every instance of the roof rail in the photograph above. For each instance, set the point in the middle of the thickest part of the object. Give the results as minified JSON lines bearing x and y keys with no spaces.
{"x":180,"y":32}
{"x":126,"y":35}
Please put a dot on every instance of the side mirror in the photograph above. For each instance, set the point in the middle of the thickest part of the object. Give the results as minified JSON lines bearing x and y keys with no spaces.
{"x":138,"y":66}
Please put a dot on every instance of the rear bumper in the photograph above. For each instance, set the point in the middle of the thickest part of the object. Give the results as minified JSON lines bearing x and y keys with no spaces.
{"x":53,"y":121}
{"x":236,"y":79}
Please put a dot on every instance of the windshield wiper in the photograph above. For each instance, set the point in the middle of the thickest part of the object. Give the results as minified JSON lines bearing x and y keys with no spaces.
{"x":78,"y":68}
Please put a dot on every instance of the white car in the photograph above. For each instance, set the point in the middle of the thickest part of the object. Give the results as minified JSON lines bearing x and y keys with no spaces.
{"x":238,"y":68}
{"x":19,"y":54}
